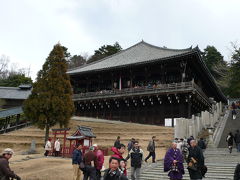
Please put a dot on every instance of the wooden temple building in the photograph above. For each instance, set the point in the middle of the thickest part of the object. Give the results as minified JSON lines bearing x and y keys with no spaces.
{"x":145,"y":84}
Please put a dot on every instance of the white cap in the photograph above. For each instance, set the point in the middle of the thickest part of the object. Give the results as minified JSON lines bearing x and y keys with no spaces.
{"x":8,"y":151}
{"x":94,"y":145}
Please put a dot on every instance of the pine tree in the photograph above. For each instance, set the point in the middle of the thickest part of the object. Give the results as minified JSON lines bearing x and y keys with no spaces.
{"x":50,"y":102}
{"x":104,"y":51}
{"x":234,"y":88}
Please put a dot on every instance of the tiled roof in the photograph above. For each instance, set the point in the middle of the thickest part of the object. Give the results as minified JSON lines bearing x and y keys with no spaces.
{"x":11,"y":112}
{"x":139,"y":53}
{"x":14,"y":93}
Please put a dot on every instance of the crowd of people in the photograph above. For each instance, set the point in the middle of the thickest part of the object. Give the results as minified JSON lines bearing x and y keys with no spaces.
{"x":189,"y":150}
{"x":91,"y":162}
{"x":89,"y":165}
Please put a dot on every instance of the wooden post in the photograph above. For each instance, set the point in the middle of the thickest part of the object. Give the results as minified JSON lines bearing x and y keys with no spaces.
{"x":189,"y":109}
{"x":64,"y":143}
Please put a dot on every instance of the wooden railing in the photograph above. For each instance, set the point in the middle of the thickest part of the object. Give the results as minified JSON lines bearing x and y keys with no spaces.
{"x":10,"y":128}
{"x":139,"y":90}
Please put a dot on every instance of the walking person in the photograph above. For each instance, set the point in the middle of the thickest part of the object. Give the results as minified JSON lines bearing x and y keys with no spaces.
{"x":195,"y":161}
{"x":136,"y":155}
{"x":113,"y":172}
{"x":48,"y":147}
{"x":100,"y":160}
{"x":57,"y":147}
{"x":202,"y":144}
{"x":173,"y":163}
{"x":151,"y":149}
{"x":91,"y":164}
{"x":234,"y":112}
{"x":229,"y":140}
{"x":77,"y":159}
{"x":117,"y":142}
{"x":5,"y":172}
{"x":130,"y":144}
{"x":237,"y":140}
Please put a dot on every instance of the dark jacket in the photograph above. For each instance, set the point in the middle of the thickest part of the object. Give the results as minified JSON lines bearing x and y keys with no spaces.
{"x":116,"y":175}
{"x":136,"y":156}
{"x":5,"y":172}
{"x":117,"y":143}
{"x":237,"y":173}
{"x":237,"y":137}
{"x":130,"y":145}
{"x":151,"y":146}
{"x":201,"y":144}
{"x":77,"y":156}
{"x":89,"y":157}
{"x":229,"y":140}
{"x":197,"y":154}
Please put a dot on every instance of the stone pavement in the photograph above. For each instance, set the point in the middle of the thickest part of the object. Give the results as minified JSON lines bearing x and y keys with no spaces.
{"x":220,"y":163}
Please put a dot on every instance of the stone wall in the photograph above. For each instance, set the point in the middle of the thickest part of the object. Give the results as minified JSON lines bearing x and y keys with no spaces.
{"x":185,"y":128}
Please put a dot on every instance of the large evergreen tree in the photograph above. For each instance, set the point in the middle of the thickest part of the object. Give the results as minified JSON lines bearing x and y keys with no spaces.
{"x":234,"y":88}
{"x":213,"y":58}
{"x":104,"y":51}
{"x":51,"y":100}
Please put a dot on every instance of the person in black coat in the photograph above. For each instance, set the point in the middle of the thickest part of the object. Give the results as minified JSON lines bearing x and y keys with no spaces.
{"x":195,"y":161}
{"x":202,"y":144}
{"x":136,"y":155}
{"x":117,"y":143}
{"x":237,"y":173}
{"x":113,"y":172}
{"x":229,"y":140}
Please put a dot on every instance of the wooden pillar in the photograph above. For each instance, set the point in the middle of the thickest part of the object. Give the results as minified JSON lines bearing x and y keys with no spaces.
{"x":146,"y":75}
{"x":112,"y":81}
{"x":64,"y":143}
{"x":131,"y":78}
{"x":87,"y":89}
{"x":120,"y":82}
{"x":189,"y":109}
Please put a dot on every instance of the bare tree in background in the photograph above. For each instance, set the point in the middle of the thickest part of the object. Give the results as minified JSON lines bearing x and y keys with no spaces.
{"x":4,"y":60}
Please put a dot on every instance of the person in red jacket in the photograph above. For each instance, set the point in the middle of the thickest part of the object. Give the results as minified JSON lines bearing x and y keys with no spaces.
{"x":100,"y":160}
{"x":118,"y":152}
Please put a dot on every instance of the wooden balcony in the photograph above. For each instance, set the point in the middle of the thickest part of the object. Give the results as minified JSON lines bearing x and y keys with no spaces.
{"x":160,"y":89}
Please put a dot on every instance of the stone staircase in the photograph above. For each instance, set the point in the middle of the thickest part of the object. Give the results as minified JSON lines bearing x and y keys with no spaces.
{"x":230,"y":125}
{"x":221,"y":165}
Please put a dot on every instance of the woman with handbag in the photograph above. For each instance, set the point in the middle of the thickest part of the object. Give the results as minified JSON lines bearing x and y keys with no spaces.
{"x":195,"y":161}
{"x":173,"y":163}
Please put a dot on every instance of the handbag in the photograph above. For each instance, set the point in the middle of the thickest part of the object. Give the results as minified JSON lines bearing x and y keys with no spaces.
{"x":192,"y":166}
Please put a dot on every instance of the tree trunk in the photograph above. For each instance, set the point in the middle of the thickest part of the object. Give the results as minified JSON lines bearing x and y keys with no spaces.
{"x":46,"y":133}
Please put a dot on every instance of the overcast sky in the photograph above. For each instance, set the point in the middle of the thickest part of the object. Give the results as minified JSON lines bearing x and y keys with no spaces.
{"x":30,"y":28}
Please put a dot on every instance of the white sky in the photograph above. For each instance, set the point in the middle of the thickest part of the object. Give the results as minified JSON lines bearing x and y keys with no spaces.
{"x":30,"y":28}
